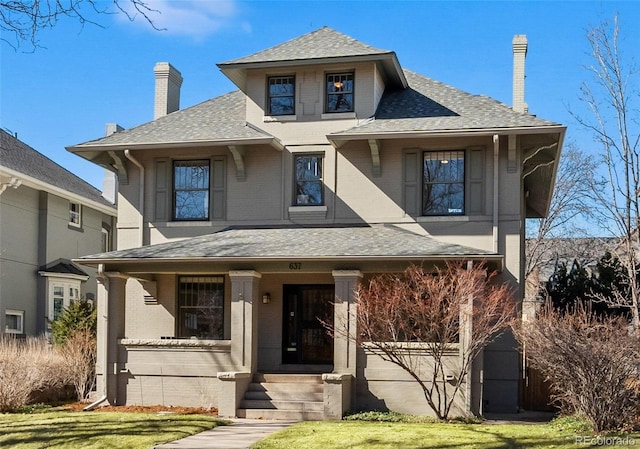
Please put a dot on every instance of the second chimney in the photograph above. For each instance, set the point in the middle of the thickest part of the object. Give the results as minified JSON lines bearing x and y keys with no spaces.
{"x":519,"y":55}
{"x":167,"y":95}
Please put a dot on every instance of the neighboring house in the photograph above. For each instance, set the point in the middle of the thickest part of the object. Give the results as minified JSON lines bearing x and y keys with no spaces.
{"x":244,"y":218}
{"x":48,"y":216}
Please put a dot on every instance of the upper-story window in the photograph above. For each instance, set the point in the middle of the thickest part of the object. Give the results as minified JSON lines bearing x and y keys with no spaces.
{"x":443,"y":183}
{"x":309,"y":186}
{"x":282,"y":95}
{"x":339,"y":92}
{"x":75,"y":214}
{"x":191,"y":190}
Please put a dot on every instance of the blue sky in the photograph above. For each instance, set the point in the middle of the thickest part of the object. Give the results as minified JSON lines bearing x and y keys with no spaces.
{"x":84,"y":77}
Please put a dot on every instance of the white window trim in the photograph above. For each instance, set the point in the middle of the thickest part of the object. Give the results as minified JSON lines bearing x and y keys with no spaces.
{"x":79,"y":213}
{"x":66,"y":281}
{"x":18,"y":313}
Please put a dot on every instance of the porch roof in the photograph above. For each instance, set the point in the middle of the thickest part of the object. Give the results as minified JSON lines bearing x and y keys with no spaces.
{"x":298,"y":243}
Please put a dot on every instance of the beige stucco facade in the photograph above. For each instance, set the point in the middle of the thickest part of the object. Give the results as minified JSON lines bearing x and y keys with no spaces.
{"x":368,"y":179}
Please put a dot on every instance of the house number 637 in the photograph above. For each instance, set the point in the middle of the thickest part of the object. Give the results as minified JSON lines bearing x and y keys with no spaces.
{"x":295,"y":266}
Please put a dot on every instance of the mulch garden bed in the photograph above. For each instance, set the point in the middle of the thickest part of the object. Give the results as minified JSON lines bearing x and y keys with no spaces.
{"x":78,"y":406}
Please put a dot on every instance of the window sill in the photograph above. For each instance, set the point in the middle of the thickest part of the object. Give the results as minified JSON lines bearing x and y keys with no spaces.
{"x":221,"y":345}
{"x":337,"y":115}
{"x":307,"y":212}
{"x":279,"y":118}
{"x":75,"y":227}
{"x":443,"y":218}
{"x":183,"y":224}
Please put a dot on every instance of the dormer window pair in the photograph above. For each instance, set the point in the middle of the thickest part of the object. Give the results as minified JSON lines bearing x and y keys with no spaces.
{"x":338,"y":93}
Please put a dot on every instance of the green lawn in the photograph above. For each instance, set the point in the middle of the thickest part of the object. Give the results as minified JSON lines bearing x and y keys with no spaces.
{"x":97,"y":430}
{"x":378,"y":435}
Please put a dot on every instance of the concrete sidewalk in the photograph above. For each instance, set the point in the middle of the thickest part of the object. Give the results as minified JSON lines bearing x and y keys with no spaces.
{"x":241,"y":434}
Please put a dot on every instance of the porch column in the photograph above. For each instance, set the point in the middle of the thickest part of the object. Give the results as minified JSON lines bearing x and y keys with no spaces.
{"x":111,"y":321}
{"x":344,"y":345}
{"x":244,"y":319}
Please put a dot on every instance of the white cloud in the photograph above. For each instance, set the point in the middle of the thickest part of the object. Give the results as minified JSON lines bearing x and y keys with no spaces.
{"x":196,"y":18}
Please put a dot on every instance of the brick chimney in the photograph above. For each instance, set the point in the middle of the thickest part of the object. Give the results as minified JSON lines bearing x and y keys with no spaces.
{"x":519,"y":55}
{"x":167,"y":96}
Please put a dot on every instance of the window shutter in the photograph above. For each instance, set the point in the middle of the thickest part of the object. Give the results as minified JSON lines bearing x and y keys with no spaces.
{"x":411,"y":184}
{"x":218,"y":183}
{"x":162,"y":190}
{"x":476,"y":181}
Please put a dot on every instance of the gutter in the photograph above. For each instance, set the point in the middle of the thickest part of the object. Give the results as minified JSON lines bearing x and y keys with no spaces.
{"x":543,"y":129}
{"x":266,"y":140}
{"x":129,"y":156}
{"x":496,"y":187}
{"x":29,"y":181}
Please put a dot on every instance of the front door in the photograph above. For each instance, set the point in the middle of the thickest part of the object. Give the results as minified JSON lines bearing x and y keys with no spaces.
{"x":305,"y":338}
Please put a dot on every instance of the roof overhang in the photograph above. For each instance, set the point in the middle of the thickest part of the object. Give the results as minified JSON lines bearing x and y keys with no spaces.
{"x":387,"y":62}
{"x":275,"y":249}
{"x":103,"y":154}
{"x":541,"y":147}
{"x":20,"y":179}
{"x":340,"y":138}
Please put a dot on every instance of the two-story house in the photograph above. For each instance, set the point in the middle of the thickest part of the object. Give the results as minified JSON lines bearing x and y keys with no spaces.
{"x":246,"y":217}
{"x":48,"y":216}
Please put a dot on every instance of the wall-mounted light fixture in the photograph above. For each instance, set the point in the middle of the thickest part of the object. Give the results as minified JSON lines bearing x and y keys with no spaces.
{"x":266,"y":298}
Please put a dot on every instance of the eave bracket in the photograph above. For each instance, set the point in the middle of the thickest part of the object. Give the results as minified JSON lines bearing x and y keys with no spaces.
{"x":374,"y":146}
{"x":237,"y":152}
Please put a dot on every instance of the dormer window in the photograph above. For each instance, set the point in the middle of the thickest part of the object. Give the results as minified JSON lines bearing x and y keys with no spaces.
{"x":282,"y":95}
{"x":339,"y":92}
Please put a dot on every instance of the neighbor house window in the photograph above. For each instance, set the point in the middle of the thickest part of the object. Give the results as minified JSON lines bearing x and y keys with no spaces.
{"x":201,"y":307}
{"x":105,"y":243}
{"x":191,"y":190}
{"x":282,"y":95}
{"x":339,"y":92}
{"x":309,"y":186}
{"x":61,"y":294}
{"x":443,"y":183}
{"x":14,"y":321}
{"x":75,"y":214}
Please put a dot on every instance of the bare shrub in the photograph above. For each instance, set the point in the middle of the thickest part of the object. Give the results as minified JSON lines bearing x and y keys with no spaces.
{"x":432,"y":324}
{"x":27,"y":367}
{"x":79,"y":352}
{"x":591,"y":362}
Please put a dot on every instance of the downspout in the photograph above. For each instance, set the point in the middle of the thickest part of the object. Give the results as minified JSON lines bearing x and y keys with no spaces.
{"x":129,"y":156}
{"x":105,"y":348}
{"x":496,"y":186}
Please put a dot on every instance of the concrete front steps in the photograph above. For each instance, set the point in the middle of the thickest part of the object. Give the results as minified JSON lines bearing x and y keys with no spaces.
{"x":290,"y":397}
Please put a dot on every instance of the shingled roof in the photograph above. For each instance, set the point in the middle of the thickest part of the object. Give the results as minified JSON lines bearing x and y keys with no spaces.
{"x":322,"y":46}
{"x":411,"y":103}
{"x":20,"y":158}
{"x":431,"y":106}
{"x":319,"y":44}
{"x":298,"y":243}
{"x":220,"y":119}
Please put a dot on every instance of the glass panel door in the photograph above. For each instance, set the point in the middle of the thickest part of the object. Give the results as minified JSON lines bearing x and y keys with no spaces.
{"x":305,"y":339}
